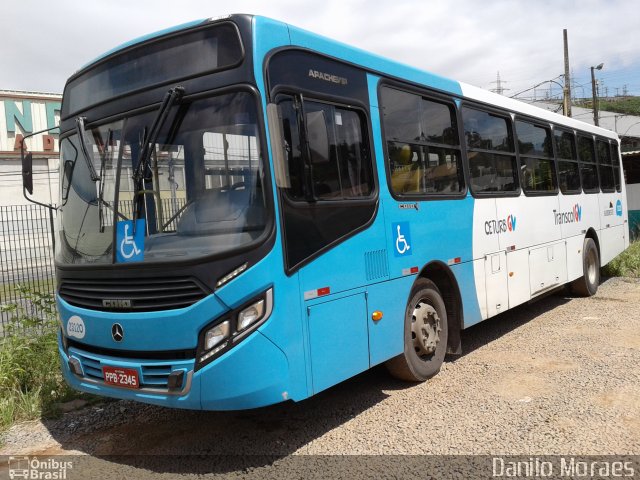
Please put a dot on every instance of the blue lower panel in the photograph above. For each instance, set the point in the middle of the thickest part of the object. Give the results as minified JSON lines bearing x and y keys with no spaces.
{"x":338,"y":340}
{"x":253,"y":374}
{"x":386,"y":337}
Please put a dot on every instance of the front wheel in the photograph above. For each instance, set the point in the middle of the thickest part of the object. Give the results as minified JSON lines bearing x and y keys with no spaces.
{"x":425,"y":334}
{"x":587,"y":284}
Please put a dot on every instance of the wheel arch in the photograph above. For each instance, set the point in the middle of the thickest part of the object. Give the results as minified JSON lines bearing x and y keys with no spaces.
{"x":591,"y":233}
{"x":441,"y":274}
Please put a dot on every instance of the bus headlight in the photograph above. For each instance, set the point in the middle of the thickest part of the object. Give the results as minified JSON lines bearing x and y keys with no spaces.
{"x":226,"y":332}
{"x":216,"y":335}
{"x":250,"y":315}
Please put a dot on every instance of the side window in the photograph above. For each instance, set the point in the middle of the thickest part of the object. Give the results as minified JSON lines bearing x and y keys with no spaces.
{"x":330,"y":192}
{"x":631,"y":171}
{"x":568,"y":168}
{"x":536,"y":158}
{"x":588,"y":169}
{"x":337,"y":165}
{"x":615,"y":160}
{"x":423,"y":147}
{"x":607,"y":182}
{"x":491,"y":153}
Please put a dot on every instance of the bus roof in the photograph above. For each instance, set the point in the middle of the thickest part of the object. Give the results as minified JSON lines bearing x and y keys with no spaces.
{"x":516,"y":106}
{"x":384,"y":66}
{"x":144,"y":38}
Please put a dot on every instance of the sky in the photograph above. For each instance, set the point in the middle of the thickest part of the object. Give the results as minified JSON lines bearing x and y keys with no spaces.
{"x":467,"y":40}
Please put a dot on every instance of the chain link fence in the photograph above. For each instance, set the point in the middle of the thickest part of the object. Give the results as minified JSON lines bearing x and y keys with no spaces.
{"x":26,"y":258}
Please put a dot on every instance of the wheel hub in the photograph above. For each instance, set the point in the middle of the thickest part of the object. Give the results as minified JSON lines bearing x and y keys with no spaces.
{"x":425,"y":329}
{"x":591,"y":266}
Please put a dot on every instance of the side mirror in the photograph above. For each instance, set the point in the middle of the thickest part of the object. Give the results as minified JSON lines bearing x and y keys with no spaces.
{"x":27,"y":172}
{"x":66,"y":178}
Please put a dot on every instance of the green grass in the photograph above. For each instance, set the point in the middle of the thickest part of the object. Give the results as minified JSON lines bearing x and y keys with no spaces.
{"x":627,"y":264}
{"x":31,"y":382}
{"x":628,"y":105}
{"x":625,"y":105}
{"x":43,"y":285}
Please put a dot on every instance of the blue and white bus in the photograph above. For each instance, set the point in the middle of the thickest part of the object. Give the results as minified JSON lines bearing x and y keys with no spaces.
{"x":250,"y":213}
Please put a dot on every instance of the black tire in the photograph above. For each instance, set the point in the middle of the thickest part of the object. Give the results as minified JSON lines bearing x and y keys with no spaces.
{"x":587,"y":284}
{"x":423,"y":351}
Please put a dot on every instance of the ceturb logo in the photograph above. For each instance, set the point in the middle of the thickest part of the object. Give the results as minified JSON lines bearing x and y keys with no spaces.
{"x":572,"y":216}
{"x":493,"y":227}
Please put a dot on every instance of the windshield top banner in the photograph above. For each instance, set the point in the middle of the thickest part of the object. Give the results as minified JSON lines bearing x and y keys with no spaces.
{"x":158,"y":62}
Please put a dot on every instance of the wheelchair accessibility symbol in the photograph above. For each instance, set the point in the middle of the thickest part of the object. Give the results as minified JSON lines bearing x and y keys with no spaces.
{"x":130,"y":244}
{"x":402,"y":239}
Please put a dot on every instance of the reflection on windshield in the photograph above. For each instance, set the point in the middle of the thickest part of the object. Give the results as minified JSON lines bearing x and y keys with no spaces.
{"x":201,"y":192}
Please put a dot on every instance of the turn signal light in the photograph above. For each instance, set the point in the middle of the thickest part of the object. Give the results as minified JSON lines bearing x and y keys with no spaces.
{"x":376,"y":316}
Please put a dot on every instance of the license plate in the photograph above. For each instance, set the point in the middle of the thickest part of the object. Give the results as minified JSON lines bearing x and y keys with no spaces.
{"x":121,"y":377}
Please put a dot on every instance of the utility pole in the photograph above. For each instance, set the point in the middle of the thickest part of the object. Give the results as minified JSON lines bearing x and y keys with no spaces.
{"x":566,"y":104}
{"x":594,"y":94}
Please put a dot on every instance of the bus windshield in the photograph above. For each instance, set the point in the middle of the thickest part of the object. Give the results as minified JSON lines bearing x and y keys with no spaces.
{"x":199,"y":192}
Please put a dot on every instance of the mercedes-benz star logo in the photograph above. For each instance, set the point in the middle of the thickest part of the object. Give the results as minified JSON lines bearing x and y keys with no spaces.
{"x":117,"y":332}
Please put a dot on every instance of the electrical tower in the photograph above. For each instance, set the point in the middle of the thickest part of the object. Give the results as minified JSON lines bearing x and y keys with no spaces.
{"x":499,"y":86}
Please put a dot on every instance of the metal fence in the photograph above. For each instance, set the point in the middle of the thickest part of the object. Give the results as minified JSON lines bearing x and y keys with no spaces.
{"x":26,"y":254}
{"x":26,"y":258}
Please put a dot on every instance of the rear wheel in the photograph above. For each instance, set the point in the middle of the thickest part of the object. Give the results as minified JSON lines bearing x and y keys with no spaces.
{"x":587,"y":284}
{"x":425,"y":334}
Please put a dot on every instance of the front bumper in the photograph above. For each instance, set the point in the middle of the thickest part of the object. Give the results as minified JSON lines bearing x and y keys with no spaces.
{"x":253,"y":374}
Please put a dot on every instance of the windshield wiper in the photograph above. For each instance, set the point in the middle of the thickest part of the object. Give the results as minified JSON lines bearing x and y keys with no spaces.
{"x":103,"y":163}
{"x":148,"y":145}
{"x":171,"y":97}
{"x":85,"y":149}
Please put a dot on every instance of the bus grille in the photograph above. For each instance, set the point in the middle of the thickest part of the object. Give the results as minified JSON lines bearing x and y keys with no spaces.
{"x":152,"y":374}
{"x":132,"y":295}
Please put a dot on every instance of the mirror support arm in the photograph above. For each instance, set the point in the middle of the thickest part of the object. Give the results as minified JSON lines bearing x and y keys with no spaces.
{"x":27,"y":169}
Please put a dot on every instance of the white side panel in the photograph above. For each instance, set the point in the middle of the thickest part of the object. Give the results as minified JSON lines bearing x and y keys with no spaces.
{"x":548,"y":267}
{"x":528,"y":221}
{"x":560,"y":260}
{"x":495,"y":267}
{"x":485,"y":242}
{"x":486,"y":227}
{"x":588,"y":212}
{"x":612,"y":235}
{"x":481,"y":286}
{"x":518,"y":277}
{"x":607,"y":209}
{"x":612,"y":242}
{"x":573,"y":215}
{"x":575,"y":268}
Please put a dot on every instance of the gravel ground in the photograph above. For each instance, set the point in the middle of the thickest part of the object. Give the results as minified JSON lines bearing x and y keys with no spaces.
{"x":559,"y":376}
